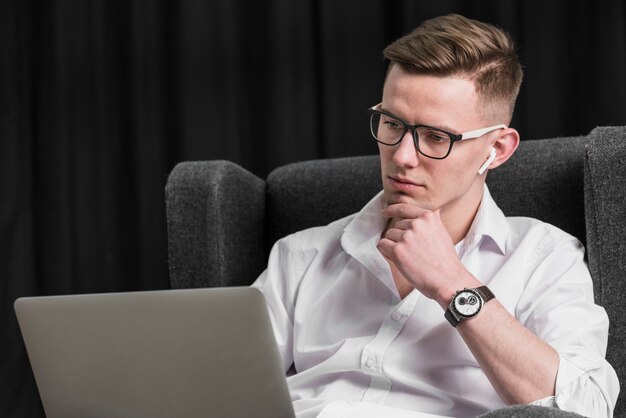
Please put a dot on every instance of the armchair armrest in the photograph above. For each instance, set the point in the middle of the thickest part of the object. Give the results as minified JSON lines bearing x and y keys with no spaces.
{"x":215,"y":212}
{"x":605,"y":205}
{"x":528,"y":411}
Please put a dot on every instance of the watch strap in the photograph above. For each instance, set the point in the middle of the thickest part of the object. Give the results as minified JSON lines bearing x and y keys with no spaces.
{"x":485,"y":293}
{"x":452,"y":319}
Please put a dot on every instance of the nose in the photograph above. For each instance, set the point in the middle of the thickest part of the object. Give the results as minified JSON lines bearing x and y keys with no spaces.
{"x":405,"y":154}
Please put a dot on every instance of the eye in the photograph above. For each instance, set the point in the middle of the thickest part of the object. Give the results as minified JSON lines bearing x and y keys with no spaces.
{"x":435,"y":136}
{"x":393,"y":124}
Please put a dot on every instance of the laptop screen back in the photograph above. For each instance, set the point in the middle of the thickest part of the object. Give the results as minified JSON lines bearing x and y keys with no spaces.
{"x":175,"y":353}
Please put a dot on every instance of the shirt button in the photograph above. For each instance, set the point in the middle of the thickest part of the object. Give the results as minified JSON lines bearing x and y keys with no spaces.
{"x":396,"y":316}
{"x":370,"y":362}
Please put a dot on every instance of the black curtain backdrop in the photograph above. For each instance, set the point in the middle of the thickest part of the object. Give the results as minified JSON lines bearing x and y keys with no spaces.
{"x":100,"y":99}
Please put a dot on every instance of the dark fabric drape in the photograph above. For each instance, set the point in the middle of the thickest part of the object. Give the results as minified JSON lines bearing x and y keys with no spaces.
{"x":99,"y":100}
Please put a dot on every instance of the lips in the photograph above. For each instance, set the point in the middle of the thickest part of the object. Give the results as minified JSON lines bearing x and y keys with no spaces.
{"x":403,"y":183}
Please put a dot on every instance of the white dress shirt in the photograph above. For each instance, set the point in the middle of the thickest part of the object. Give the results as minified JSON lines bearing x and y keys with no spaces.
{"x":358,"y":349}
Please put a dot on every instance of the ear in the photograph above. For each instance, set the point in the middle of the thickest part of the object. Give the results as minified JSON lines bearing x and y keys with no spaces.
{"x":505,"y":145}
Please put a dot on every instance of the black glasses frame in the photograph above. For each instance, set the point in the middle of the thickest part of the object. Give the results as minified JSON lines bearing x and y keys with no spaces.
{"x":408,"y":127}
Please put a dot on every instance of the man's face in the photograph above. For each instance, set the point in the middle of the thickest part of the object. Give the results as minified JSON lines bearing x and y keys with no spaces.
{"x":447,"y":103}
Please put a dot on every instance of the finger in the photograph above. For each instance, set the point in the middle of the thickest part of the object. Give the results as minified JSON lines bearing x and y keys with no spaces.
{"x":403,"y":211}
{"x":403,"y":224}
{"x":394,"y":234}
{"x":385,"y":246}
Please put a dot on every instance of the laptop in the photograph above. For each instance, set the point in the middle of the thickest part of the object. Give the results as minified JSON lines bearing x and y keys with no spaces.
{"x":173,"y":353}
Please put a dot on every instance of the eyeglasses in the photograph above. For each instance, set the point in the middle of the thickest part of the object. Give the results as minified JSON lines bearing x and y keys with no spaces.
{"x":388,"y":129}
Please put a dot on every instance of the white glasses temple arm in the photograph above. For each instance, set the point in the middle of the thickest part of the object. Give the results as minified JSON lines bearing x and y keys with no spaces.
{"x":480,"y":132}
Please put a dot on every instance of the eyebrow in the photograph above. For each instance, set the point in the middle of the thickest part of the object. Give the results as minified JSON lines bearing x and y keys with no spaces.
{"x":442,"y":127}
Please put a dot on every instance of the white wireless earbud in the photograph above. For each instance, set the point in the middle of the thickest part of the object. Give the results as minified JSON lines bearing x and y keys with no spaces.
{"x":492,"y":156}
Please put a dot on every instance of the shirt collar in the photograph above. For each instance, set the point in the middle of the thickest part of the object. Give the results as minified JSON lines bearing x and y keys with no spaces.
{"x":369,"y":223}
{"x":489,"y":224}
{"x":360,"y":238}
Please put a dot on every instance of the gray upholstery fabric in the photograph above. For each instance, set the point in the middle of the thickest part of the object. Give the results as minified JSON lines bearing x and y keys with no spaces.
{"x":313,"y":193}
{"x":216,"y":224}
{"x":524,"y":411}
{"x":218,"y":213}
{"x":544,"y":180}
{"x":605,"y":201}
{"x":222,"y":220}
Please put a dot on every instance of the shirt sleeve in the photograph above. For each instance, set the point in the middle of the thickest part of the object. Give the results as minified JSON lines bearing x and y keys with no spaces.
{"x":586,"y":383}
{"x":558,"y":306}
{"x":279,"y":284}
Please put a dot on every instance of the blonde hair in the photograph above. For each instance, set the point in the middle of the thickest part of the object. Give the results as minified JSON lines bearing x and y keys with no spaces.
{"x":454,"y":45}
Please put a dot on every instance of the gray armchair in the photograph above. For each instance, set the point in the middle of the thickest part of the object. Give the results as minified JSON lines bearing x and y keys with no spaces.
{"x":222,"y":220}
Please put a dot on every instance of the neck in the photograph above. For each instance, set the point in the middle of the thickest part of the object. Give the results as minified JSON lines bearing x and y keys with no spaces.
{"x":457,"y":216}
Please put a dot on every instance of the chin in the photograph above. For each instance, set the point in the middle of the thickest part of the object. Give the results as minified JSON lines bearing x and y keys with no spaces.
{"x":394,"y":198}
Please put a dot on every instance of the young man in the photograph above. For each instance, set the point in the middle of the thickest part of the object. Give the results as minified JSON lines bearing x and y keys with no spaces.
{"x":392,"y":310}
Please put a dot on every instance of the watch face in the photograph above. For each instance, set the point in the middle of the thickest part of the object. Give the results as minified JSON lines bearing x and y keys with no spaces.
{"x":467,"y":303}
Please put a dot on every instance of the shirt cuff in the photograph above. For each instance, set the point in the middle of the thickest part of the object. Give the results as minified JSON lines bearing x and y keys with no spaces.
{"x":549,"y":402}
{"x":583,"y":385}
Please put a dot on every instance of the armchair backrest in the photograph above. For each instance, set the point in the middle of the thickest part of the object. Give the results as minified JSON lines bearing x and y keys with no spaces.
{"x":223,"y":220}
{"x":543,"y":179}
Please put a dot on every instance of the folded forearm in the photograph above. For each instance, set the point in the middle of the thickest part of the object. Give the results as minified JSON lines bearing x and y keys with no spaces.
{"x":521,"y":367}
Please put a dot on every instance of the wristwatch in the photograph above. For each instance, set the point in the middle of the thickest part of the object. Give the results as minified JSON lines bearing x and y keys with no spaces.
{"x":467,"y":303}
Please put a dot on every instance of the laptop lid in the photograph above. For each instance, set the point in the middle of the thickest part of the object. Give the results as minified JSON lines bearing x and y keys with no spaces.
{"x":174,"y":353}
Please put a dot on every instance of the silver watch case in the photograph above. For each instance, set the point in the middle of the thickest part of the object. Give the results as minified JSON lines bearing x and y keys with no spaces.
{"x":467,"y":303}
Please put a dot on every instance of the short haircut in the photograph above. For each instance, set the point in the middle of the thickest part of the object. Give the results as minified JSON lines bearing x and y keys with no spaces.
{"x":454,"y":45}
